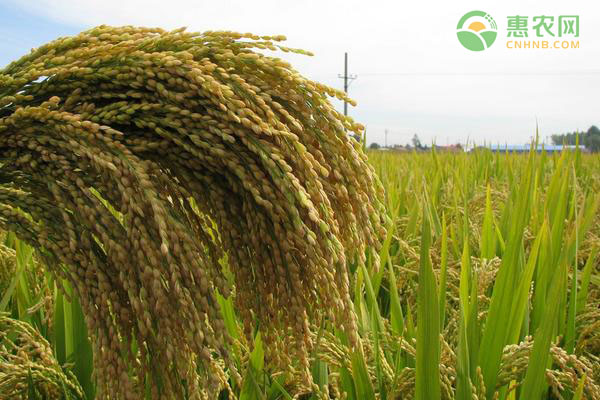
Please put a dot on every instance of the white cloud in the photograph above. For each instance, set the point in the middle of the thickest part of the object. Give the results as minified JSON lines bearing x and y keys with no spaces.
{"x":448,"y":93}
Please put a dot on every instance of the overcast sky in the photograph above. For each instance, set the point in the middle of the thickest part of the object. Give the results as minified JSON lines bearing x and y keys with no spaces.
{"x":413,"y":74}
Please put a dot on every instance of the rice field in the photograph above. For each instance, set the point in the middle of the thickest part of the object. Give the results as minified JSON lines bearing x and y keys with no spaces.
{"x":487,"y":287}
{"x":184,"y":217}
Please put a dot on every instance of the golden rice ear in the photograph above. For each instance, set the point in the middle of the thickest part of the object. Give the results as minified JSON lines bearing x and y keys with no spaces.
{"x":160,"y":170}
{"x":27,"y":364}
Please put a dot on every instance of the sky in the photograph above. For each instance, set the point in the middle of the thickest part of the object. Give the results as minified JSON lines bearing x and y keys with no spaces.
{"x":412,"y":74}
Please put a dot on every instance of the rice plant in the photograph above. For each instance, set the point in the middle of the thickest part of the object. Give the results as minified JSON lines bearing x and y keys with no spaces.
{"x":187,"y":217}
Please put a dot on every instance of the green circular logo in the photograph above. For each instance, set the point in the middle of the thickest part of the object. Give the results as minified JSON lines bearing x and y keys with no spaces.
{"x":476,"y":30}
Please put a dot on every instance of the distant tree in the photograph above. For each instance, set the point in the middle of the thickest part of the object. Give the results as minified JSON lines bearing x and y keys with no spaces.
{"x":557,"y":139}
{"x":416,"y":142}
{"x":374,"y":146}
{"x":592,"y":139}
{"x":569,"y":139}
{"x":593,"y":143}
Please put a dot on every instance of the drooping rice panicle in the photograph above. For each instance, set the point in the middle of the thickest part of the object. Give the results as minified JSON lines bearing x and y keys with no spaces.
{"x":138,"y":159}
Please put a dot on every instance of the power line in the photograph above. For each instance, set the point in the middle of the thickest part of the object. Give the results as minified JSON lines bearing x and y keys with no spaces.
{"x":493,"y":73}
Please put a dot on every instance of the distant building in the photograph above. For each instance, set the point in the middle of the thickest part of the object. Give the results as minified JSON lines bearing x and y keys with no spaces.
{"x":524,"y":148}
{"x":453,"y":148}
{"x":400,"y":148}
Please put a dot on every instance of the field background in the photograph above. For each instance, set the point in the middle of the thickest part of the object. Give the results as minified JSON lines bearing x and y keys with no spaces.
{"x":488,"y":287}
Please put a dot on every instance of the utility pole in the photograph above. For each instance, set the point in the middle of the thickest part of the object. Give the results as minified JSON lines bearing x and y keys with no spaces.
{"x":386,"y":132}
{"x":347,"y":81}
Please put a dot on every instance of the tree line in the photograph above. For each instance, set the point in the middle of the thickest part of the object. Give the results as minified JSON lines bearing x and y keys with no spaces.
{"x":590,"y":138}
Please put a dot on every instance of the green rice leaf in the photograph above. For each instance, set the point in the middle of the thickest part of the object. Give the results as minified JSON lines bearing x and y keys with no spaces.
{"x":428,"y":330}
